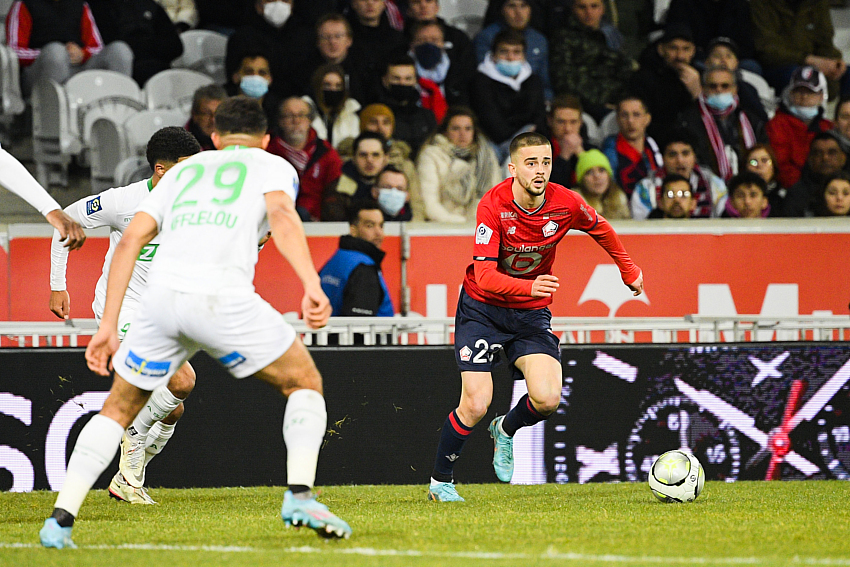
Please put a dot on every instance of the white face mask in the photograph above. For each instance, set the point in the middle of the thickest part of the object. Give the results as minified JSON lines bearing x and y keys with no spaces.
{"x":391,"y":200}
{"x":276,"y":13}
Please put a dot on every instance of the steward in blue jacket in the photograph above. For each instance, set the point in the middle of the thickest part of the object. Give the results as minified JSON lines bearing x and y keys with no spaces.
{"x":353,"y":281}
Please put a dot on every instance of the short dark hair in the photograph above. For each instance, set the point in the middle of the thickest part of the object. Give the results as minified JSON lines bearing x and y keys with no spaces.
{"x":241,"y":115}
{"x":673,"y":178}
{"x":207,"y":92}
{"x":527,"y":139}
{"x":565,"y":101}
{"x":679,"y":136}
{"x":842,"y":100}
{"x":390,"y":168}
{"x":746,"y":177}
{"x":169,"y":144}
{"x":368,"y":135}
{"x":631,"y":96}
{"x":334,"y":17}
{"x":509,"y":36}
{"x":361,"y":205}
{"x":415,"y":26}
{"x":399,"y":60}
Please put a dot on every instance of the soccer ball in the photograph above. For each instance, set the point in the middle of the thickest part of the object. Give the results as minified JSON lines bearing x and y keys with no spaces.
{"x":676,"y":476}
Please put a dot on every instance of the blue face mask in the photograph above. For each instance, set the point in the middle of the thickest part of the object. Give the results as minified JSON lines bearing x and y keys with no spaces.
{"x":509,"y":68}
{"x":720,"y":101}
{"x":391,"y":200}
{"x":254,"y":86}
{"x":804,"y":112}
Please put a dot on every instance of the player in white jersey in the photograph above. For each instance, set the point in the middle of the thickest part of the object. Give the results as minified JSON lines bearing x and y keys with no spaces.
{"x":115,"y":208}
{"x":15,"y":177}
{"x":207,"y":211}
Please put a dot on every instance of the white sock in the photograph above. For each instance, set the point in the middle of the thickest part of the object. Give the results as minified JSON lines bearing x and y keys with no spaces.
{"x":161,"y":403}
{"x":304,"y":423}
{"x":94,"y":450}
{"x":158,"y":436}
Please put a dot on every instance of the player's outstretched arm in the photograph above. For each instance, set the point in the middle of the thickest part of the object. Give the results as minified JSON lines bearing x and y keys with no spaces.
{"x":103,"y":345}
{"x":604,"y":235}
{"x":60,"y":300}
{"x":288,"y":236}
{"x":70,"y":232}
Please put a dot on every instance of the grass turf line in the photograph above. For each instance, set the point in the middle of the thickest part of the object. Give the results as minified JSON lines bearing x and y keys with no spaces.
{"x":745,"y":523}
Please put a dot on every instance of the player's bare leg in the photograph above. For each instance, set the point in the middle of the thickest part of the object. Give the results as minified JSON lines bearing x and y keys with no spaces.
{"x":543,"y":378}
{"x":475,"y":396}
{"x":93,"y":451}
{"x":148,"y":435}
{"x":295,"y":376}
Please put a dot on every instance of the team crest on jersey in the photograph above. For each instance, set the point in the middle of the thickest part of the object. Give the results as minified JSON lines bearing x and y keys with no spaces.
{"x":93,"y":205}
{"x":483,"y":234}
{"x":511,"y":230}
{"x":465,"y":354}
{"x":550,"y":228}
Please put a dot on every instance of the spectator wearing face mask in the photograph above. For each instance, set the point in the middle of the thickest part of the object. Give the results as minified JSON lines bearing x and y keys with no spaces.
{"x":722,"y":131}
{"x":391,"y":192}
{"x":401,"y":93}
{"x":253,"y":78}
{"x":506,"y":95}
{"x":435,"y":63}
{"x":336,"y":118}
{"x":799,"y":118}
{"x":275,"y":28}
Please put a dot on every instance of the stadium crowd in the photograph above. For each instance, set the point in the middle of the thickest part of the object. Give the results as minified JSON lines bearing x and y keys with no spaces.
{"x":357,"y":88}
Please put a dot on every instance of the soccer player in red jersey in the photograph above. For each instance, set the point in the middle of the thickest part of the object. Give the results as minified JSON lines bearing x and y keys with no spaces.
{"x":504,"y":304}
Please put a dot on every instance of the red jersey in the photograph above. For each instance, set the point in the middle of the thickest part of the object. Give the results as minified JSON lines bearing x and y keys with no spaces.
{"x":522,"y":244}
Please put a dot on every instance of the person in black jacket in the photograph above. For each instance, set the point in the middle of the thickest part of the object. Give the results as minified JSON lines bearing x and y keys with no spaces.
{"x":506,"y":95}
{"x":145,"y":26}
{"x":400,"y":92}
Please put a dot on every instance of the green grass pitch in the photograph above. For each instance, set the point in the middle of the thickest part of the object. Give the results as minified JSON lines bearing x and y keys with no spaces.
{"x":745,"y":523}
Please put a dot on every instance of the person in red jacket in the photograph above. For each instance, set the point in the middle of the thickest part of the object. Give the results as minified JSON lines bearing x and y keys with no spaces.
{"x":799,"y":118}
{"x":318,"y":164}
{"x":59,"y":38}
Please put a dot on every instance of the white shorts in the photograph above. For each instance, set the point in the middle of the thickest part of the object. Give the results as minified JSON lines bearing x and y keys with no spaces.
{"x":125,"y":316}
{"x":243,"y":332}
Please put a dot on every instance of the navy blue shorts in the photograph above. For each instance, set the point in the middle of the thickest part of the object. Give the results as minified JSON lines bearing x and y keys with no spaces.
{"x":482,"y":330}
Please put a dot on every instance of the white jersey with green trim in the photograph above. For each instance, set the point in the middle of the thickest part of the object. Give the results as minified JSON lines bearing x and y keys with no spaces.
{"x":209,"y":210}
{"x":114,"y":208}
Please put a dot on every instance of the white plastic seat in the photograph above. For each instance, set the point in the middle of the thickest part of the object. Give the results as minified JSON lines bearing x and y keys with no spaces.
{"x":592,"y":129}
{"x":765,"y":91}
{"x":51,"y":132}
{"x":10,"y":84}
{"x":203,"y":51}
{"x":139,"y":128}
{"x":86,"y":88}
{"x":130,"y":170}
{"x":467,"y":15}
{"x":174,"y":88}
{"x":608,"y":126}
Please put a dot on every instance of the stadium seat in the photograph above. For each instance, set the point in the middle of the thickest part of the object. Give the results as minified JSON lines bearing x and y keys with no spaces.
{"x":467,"y":15}
{"x":592,"y":129}
{"x":132,"y":169}
{"x":608,"y":126}
{"x":51,"y":138}
{"x":765,"y":91}
{"x":11,"y":101}
{"x":203,"y":51}
{"x":173,"y":88}
{"x":117,"y":138}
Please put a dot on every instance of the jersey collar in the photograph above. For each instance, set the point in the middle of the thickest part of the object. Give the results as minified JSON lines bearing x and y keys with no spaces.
{"x":526,"y":211}
{"x":150,"y":184}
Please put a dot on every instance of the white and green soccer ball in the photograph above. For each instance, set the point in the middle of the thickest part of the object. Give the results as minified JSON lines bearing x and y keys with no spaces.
{"x":676,"y":476}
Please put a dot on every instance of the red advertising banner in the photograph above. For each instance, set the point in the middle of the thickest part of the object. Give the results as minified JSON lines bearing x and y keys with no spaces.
{"x":707,"y":273}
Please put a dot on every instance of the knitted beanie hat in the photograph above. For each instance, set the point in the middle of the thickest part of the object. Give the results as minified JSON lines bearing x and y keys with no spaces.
{"x":375,"y":110}
{"x":589,"y":159}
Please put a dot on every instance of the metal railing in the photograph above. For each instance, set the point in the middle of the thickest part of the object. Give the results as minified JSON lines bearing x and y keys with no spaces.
{"x":440,"y":330}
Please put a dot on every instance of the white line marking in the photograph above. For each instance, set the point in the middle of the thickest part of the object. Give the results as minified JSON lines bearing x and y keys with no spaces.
{"x":373,"y":552}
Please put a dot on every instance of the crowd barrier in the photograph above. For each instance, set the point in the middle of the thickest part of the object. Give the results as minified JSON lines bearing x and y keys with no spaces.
{"x":772,"y":267}
{"x":621,"y":405}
